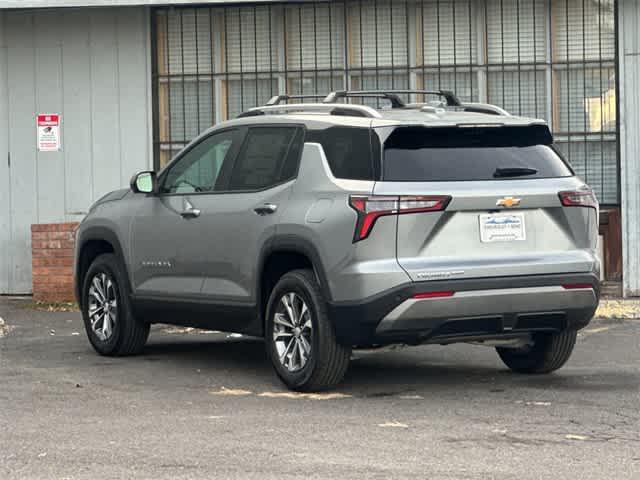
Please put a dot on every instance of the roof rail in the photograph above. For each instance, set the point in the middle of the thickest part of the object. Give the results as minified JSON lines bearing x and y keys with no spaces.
{"x":484,"y":108}
{"x":284,"y":97}
{"x":392,"y":95}
{"x":331,"y":109}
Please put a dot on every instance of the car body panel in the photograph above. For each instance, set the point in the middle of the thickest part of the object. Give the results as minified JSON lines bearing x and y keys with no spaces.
{"x":353,"y":270}
{"x":418,"y":313}
{"x":448,"y":244}
{"x":162,"y":247}
{"x":231,"y":236}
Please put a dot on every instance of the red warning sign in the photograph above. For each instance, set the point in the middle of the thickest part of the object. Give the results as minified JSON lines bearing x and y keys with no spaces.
{"x":48,"y":132}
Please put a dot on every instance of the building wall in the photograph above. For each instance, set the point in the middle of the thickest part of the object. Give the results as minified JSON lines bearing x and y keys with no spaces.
{"x":551,"y":59}
{"x":92,"y":67}
{"x":5,"y":192}
{"x":629,"y":47}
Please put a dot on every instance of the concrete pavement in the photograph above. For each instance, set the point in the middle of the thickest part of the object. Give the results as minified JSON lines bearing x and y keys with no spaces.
{"x":206,"y":405}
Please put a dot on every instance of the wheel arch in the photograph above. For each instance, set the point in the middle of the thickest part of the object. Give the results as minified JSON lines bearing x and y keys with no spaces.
{"x":283,"y":254}
{"x":93,"y":242}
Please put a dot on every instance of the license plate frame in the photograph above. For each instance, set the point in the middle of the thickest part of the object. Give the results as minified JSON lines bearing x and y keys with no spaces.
{"x":502,"y":227}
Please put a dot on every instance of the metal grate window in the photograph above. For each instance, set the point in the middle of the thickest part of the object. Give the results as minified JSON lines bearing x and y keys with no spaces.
{"x":551,"y":59}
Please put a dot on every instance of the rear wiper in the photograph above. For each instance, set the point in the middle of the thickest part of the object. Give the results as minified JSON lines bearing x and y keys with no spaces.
{"x":502,"y":172}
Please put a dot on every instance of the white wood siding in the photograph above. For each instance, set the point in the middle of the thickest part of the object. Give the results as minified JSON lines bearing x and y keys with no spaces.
{"x":112,"y":3}
{"x":629,"y":48}
{"x":92,"y":67}
{"x":5,"y":192}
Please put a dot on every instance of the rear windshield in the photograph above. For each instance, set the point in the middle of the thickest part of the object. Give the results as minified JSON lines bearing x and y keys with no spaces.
{"x":478,"y":153}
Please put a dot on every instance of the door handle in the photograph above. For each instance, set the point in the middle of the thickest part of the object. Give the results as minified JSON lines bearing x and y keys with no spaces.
{"x":266,"y":209}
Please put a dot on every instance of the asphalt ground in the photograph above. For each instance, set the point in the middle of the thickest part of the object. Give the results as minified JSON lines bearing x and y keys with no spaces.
{"x":208,"y":405}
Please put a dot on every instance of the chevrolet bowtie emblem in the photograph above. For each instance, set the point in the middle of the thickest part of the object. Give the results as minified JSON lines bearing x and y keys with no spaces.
{"x":508,"y":202}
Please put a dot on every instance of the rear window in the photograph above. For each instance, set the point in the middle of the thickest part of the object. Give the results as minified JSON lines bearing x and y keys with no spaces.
{"x":348,"y":151}
{"x":478,"y":153}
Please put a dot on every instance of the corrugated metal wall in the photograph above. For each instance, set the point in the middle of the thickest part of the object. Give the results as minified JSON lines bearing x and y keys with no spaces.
{"x":92,"y":67}
{"x":629,"y":38}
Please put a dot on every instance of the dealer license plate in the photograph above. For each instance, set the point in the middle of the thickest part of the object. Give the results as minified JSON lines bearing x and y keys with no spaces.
{"x":502,"y":227}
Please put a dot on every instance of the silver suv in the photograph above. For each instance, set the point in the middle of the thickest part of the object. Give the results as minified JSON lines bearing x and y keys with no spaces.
{"x":328,"y":226}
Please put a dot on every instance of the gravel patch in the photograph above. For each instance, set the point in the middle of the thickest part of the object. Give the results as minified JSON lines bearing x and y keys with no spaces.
{"x":4,"y":328}
{"x":619,"y":309}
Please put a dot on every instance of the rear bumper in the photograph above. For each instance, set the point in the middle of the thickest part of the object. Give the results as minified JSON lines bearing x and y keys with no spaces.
{"x":489,"y":307}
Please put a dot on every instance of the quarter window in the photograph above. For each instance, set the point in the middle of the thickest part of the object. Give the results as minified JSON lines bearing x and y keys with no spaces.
{"x":348,"y":151}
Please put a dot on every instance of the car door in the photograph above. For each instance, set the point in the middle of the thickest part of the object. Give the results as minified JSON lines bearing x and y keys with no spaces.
{"x":166,"y":233}
{"x":238,"y":222}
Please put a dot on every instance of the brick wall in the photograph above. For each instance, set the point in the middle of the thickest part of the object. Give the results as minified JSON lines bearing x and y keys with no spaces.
{"x":52,"y":261}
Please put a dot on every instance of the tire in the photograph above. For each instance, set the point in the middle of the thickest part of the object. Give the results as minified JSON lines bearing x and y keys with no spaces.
{"x":124,"y":334}
{"x":549,"y":352}
{"x":326,"y":360}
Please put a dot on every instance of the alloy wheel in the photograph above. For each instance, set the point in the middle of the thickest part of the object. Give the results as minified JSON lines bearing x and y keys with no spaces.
{"x":292,"y":332}
{"x":103,"y":306}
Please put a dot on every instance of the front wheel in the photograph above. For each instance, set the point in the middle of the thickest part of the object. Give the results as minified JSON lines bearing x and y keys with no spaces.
{"x":111,"y":326}
{"x":547,"y":353}
{"x":299,"y":336}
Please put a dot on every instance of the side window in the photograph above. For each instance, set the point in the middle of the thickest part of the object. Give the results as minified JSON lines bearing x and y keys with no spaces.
{"x":199,"y":168}
{"x":348,"y":151}
{"x":264,"y":157}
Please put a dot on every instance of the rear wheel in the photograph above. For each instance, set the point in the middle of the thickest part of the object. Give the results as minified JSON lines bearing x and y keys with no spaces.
{"x":106,"y":309}
{"x":547,"y":353}
{"x":299,"y":336}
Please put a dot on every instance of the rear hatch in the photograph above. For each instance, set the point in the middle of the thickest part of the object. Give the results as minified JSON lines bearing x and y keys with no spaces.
{"x":505,"y":202}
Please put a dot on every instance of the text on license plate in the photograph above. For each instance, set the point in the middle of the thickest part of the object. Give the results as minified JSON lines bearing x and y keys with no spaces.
{"x":502,"y":227}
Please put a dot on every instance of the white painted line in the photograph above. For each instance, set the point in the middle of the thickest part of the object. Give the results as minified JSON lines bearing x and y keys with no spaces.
{"x":233,"y":392}
{"x":393,"y":425}
{"x":596,"y":330}
{"x":3,"y":328}
{"x":572,"y":436}
{"x":308,"y":396}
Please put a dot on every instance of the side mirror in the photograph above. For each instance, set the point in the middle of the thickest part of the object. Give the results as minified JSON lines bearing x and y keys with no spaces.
{"x":143,"y":182}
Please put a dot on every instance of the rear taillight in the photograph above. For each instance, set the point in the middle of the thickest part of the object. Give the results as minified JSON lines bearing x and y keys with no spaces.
{"x":577,"y":286}
{"x":579,"y":198}
{"x":443,"y":294}
{"x":372,"y":207}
